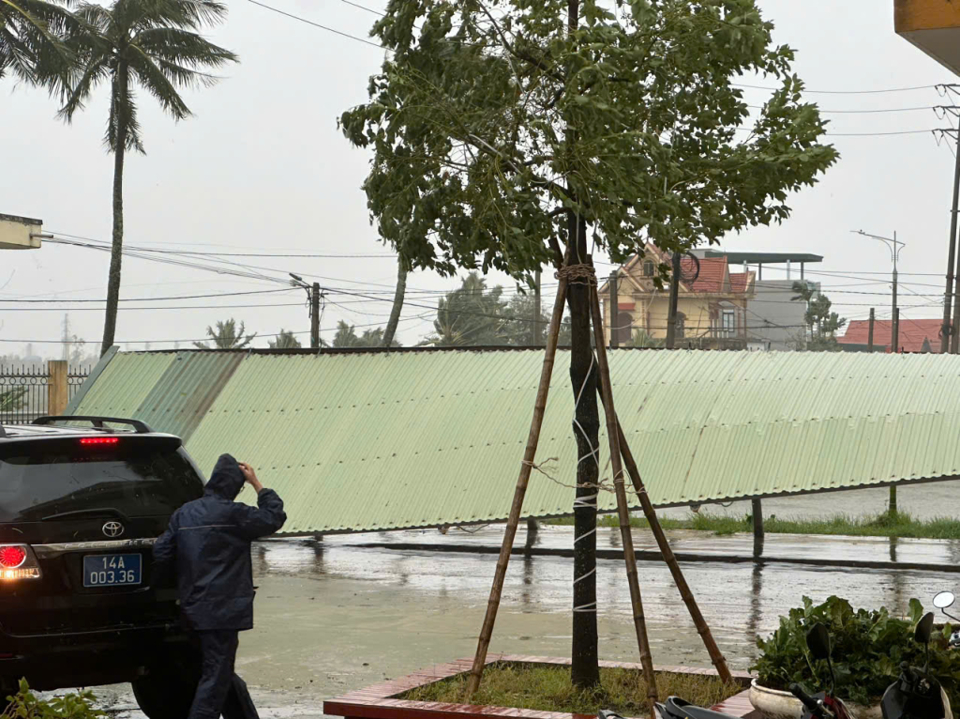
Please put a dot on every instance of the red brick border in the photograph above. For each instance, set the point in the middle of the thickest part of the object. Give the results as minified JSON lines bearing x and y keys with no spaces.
{"x":379,"y":701}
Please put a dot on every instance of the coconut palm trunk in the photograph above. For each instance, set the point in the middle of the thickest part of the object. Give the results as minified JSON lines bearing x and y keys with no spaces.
{"x":116,"y":250}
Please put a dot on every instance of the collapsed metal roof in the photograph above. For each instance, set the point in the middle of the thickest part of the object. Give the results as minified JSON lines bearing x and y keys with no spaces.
{"x":401,"y":439}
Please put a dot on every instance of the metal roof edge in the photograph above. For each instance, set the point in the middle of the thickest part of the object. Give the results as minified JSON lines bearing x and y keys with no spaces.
{"x":91,"y":378}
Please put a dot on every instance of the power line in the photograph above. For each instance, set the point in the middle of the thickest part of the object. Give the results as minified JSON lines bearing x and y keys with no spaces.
{"x":192,"y":253}
{"x":860,"y":112}
{"x":316,"y":24}
{"x":843,"y":92}
{"x":152,"y":299}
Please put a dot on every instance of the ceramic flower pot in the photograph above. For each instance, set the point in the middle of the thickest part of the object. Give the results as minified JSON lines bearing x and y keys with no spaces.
{"x":776,"y":704}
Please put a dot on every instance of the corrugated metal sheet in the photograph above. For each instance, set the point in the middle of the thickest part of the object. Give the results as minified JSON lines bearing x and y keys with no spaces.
{"x":390,"y":440}
{"x":124,"y":384}
{"x":185,"y":391}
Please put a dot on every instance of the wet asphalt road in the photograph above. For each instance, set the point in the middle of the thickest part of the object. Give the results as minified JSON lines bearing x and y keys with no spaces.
{"x":331,"y":616}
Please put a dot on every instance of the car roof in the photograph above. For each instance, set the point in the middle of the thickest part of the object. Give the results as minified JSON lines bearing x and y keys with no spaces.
{"x":45,"y":428}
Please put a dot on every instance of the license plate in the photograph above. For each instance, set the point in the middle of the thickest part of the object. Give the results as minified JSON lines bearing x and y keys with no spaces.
{"x":112,"y":570}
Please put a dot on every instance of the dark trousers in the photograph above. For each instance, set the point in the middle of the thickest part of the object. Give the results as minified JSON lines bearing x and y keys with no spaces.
{"x":220,"y":690}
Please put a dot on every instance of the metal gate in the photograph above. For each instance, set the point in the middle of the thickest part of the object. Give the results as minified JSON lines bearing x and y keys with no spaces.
{"x":25,"y":390}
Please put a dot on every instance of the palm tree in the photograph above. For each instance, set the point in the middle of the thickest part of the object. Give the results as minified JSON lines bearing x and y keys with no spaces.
{"x":30,"y":42}
{"x":285,"y":341}
{"x":227,"y":336}
{"x":154,"y":44}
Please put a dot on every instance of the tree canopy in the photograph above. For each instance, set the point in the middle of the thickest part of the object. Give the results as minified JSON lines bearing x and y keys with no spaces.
{"x":823,"y":322}
{"x":347,"y":337}
{"x":489,"y":119}
{"x":286,"y":340}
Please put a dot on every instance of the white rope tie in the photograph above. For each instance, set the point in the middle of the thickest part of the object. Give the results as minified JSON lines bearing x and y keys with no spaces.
{"x":586,"y":501}
{"x":585,"y":534}
{"x":591,"y":607}
{"x":592,"y":571}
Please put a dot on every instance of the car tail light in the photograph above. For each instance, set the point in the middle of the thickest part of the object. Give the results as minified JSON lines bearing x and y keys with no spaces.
{"x":99,"y":440}
{"x":17,"y":561}
{"x":12,"y":556}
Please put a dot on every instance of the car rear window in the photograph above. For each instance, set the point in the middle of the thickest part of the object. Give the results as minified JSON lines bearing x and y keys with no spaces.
{"x":44,"y":479}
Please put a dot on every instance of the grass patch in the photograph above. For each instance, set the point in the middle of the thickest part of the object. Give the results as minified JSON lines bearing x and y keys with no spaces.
{"x":548,"y":688}
{"x":883,"y":525}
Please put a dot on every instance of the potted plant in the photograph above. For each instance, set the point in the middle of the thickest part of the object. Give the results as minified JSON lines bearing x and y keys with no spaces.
{"x":868,"y":648}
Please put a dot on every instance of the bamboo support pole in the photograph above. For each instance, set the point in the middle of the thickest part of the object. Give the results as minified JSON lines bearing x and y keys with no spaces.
{"x":529,"y":454}
{"x":629,"y":555}
{"x":716,"y":656}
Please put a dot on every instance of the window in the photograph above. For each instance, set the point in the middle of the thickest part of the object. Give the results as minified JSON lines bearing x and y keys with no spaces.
{"x":647,"y":268}
{"x":624,"y":328}
{"x":48,"y":478}
{"x":729,"y":321}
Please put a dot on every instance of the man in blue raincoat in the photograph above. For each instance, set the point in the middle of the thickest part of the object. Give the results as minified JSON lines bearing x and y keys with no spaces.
{"x":208,"y":543}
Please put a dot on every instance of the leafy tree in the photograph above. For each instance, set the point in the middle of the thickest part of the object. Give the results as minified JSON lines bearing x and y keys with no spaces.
{"x":158,"y":46}
{"x":227,"y":336}
{"x":819,"y":317}
{"x":507,"y":134}
{"x":31,"y":46}
{"x":285,"y":341}
{"x":472,"y":314}
{"x":347,"y":337}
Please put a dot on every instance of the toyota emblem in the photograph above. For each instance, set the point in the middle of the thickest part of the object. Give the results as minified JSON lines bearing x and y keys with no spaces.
{"x":113,"y":529}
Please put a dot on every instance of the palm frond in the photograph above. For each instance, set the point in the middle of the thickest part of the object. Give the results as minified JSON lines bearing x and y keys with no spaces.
{"x":182,"y":47}
{"x":156,"y":82}
{"x":145,"y":43}
{"x":31,"y":45}
{"x":93,"y":74}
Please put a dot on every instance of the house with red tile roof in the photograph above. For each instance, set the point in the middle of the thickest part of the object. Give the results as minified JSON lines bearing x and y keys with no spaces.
{"x":728,"y":305}
{"x":915,"y":335}
{"x":712,"y":304}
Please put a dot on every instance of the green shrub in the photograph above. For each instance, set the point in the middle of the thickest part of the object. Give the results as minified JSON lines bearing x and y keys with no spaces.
{"x":868,"y":647}
{"x":25,"y":705}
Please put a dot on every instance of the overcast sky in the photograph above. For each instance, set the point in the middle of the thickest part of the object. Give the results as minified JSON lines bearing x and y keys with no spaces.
{"x":263,"y":168}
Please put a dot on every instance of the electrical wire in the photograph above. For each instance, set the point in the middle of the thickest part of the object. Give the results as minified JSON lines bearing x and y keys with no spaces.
{"x":316,"y":24}
{"x":843,"y":92}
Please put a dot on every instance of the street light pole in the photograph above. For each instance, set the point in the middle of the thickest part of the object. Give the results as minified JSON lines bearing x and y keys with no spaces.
{"x":895,"y":246}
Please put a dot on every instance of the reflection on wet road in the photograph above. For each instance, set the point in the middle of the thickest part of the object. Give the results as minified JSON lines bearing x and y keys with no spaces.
{"x":332,"y":616}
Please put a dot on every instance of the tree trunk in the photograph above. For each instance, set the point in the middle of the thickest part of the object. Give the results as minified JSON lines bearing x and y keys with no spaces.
{"x":390,"y":332}
{"x":116,"y":250}
{"x":583,"y":375}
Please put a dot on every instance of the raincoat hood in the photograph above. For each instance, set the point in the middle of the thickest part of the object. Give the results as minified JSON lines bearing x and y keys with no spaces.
{"x":227,"y":479}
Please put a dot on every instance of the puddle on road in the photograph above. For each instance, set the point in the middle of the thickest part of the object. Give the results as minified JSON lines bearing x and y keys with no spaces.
{"x":331,"y":617}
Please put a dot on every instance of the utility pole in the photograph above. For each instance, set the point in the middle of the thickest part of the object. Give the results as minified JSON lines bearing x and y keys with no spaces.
{"x":870,"y":331}
{"x":614,"y":302}
{"x":674,"y":302}
{"x":945,"y":331}
{"x":315,"y":316}
{"x":313,"y":298}
{"x":894,"y":245}
{"x":537,"y":311}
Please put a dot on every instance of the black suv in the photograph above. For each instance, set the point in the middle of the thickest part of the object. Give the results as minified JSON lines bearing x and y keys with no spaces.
{"x":80,"y":507}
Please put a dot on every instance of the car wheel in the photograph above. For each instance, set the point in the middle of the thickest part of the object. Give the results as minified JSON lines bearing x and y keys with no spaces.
{"x":166,"y":690}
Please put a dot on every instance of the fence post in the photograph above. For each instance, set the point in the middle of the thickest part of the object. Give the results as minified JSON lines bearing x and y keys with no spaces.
{"x":58,"y":389}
